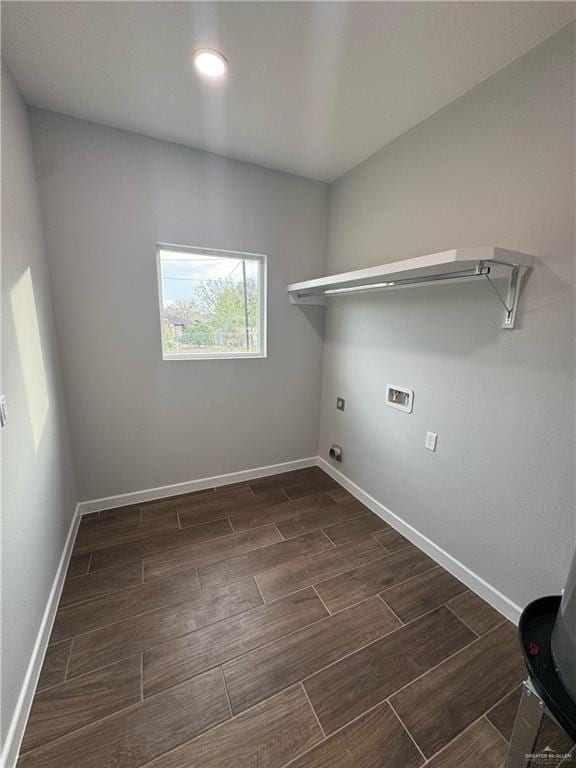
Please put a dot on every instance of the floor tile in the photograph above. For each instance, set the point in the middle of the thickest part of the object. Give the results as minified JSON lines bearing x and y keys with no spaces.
{"x":76,"y":703}
{"x":277,"y":512}
{"x":475,"y":612}
{"x":267,"y":736}
{"x":191,"y":654}
{"x":262,"y":559}
{"x":78,"y":565}
{"x":287,"y":479}
{"x":101,"y":583}
{"x":438,"y":706}
{"x":480,"y":746}
{"x":322,"y":518}
{"x":360,"y":583}
{"x":313,"y":569}
{"x":340,"y":494}
{"x":353,"y":685}
{"x":160,"y":542}
{"x":54,"y":665}
{"x":502,"y":717}
{"x":139,"y":633}
{"x":119,"y":513}
{"x":197,"y":500}
{"x":195,"y":555}
{"x":72,"y":620}
{"x":391,"y":539}
{"x":376,"y":740}
{"x":226,"y":506}
{"x":353,"y":530}
{"x":265,"y":671}
{"x":137,"y":735}
{"x":308,"y":488}
{"x":422,"y":593}
{"x":101,"y":533}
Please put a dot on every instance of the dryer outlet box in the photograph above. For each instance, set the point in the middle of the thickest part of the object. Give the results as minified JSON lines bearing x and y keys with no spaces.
{"x":400,"y":398}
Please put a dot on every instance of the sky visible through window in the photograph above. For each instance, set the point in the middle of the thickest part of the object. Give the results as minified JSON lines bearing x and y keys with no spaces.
{"x":211,"y":304}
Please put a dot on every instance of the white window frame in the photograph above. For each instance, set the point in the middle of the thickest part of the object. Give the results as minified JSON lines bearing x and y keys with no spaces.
{"x":261,"y":257}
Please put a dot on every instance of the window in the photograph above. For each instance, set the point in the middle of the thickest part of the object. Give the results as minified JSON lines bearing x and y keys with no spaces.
{"x":212,"y":303}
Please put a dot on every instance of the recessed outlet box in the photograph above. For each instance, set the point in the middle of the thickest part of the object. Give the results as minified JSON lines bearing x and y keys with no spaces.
{"x":340,"y":403}
{"x":399,"y":397}
{"x":335,"y":452}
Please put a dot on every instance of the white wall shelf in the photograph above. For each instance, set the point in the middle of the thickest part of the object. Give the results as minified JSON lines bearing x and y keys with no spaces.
{"x":484,"y":263}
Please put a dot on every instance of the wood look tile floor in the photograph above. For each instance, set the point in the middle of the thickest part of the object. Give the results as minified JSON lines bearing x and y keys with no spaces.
{"x":273,"y":623}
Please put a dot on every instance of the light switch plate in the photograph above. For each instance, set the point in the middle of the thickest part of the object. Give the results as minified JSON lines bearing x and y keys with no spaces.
{"x":431,"y":440}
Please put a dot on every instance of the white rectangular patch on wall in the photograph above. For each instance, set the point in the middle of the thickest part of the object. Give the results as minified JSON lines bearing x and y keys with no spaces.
{"x":400,"y":398}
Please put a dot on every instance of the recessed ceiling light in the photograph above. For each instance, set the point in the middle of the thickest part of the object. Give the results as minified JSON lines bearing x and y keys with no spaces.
{"x":209,"y":63}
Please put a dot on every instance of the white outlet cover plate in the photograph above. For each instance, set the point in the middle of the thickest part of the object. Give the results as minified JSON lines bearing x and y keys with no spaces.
{"x":431,"y":440}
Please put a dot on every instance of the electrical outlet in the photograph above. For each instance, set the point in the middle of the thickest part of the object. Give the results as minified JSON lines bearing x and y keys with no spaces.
{"x":3,"y":411}
{"x":431,"y":440}
{"x":340,"y":403}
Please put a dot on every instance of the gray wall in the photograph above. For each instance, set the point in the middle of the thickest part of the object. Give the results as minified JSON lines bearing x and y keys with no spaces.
{"x":38,"y":488}
{"x":496,"y":167}
{"x":137,"y":422}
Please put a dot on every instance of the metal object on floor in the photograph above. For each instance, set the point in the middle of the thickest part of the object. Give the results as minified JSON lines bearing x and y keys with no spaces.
{"x":522,"y":752}
{"x":545,"y":691}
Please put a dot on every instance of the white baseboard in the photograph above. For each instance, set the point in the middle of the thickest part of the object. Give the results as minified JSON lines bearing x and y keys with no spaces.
{"x":151,"y":494}
{"x":476,"y":583}
{"x":19,"y":720}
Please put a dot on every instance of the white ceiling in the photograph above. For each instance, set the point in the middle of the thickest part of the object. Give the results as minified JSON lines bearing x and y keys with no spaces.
{"x":314,"y":88}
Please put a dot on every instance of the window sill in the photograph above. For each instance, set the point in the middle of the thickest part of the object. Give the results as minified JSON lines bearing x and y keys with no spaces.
{"x":232,"y":356}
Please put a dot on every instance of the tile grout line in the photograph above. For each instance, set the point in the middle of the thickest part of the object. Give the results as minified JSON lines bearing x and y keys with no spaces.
{"x":254,"y":577}
{"x":381,"y":637}
{"x":226,"y":692}
{"x":151,"y":647}
{"x":393,"y":612}
{"x":322,"y":731}
{"x":153,"y":533}
{"x":412,"y":739}
{"x":335,"y":733}
{"x":493,"y":727}
{"x":351,"y":653}
{"x":451,"y":656}
{"x":319,"y":554}
{"x":322,"y":601}
{"x":113,"y":590}
{"x":142,"y":676}
{"x":470,"y":725}
{"x":68,"y":659}
{"x":282,"y":537}
{"x":259,"y":591}
{"x":112,"y":593}
{"x":371,"y":709}
{"x":323,"y":528}
{"x":180,"y":546}
{"x":464,"y":620}
{"x":264,"y":602}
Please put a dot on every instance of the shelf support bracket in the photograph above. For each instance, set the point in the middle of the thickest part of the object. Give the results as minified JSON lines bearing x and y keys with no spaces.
{"x":510,"y":303}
